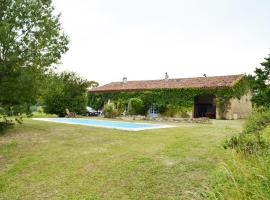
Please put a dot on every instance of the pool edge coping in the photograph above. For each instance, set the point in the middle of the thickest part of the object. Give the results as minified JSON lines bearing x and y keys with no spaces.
{"x":100,"y":126}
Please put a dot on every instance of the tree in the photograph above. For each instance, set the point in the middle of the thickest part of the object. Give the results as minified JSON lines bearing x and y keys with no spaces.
{"x":260,"y":84}
{"x":93,"y":84}
{"x":31,"y":41}
{"x":64,"y":91}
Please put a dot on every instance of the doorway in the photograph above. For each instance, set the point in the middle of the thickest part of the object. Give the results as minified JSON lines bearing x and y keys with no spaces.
{"x":204,"y":106}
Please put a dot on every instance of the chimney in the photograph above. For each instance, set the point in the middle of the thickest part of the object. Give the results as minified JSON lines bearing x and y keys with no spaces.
{"x":124,"y":80}
{"x":166,"y":76}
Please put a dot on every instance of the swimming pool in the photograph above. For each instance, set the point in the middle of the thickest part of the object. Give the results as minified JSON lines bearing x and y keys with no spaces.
{"x":129,"y":126}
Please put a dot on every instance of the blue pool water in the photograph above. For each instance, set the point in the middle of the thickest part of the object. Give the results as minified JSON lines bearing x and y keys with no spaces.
{"x":132,"y":126}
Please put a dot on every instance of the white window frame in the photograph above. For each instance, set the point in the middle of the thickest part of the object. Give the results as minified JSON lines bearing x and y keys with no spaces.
{"x":152,"y":109}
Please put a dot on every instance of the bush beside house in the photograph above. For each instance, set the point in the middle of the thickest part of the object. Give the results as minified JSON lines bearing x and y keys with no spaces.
{"x":110,"y":111}
{"x":136,"y":107}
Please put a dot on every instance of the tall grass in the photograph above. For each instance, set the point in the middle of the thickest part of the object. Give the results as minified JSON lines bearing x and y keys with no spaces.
{"x":246,"y":172}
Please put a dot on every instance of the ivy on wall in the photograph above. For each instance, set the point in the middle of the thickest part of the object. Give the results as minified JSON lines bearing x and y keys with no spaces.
{"x":183,"y":97}
{"x":240,"y":87}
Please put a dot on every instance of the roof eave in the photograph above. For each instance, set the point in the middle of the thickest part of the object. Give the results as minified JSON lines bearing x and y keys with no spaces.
{"x":139,"y":89}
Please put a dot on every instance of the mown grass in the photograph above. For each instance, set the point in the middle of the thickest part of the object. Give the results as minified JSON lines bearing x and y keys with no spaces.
{"x":42,"y":160}
{"x":42,"y":115}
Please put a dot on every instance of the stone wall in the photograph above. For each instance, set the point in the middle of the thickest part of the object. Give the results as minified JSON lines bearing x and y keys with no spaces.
{"x":239,"y":108}
{"x":203,"y":120}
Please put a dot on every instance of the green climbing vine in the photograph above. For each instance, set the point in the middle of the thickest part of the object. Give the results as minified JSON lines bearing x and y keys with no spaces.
{"x":183,"y":97}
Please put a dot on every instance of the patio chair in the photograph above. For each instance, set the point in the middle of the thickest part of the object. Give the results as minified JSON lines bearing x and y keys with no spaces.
{"x":70,"y":114}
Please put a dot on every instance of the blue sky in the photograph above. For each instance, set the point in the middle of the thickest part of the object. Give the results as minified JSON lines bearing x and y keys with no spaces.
{"x":143,"y":39}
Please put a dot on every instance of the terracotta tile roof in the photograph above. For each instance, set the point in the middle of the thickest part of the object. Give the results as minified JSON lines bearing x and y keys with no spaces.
{"x":197,"y":82}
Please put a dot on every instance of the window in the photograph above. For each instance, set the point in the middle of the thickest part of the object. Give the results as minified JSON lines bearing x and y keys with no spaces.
{"x":152,"y":110}
{"x":126,"y":108}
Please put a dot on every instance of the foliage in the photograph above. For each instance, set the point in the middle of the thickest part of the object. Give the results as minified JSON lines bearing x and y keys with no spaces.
{"x":6,"y":122}
{"x":2,"y":111}
{"x":113,"y":109}
{"x":250,"y":141}
{"x":39,"y":113}
{"x":223,"y":103}
{"x":258,"y":120}
{"x":247,"y":144}
{"x":223,"y":96}
{"x":93,"y":84}
{"x":64,"y":91}
{"x":171,"y":110}
{"x":110,"y":111}
{"x":120,"y":106}
{"x":184,"y":114}
{"x":241,"y":178}
{"x":135,"y":107}
{"x":31,"y":41}
{"x":182,"y":98}
{"x":20,"y":89}
{"x":245,"y":174}
{"x":261,"y":84}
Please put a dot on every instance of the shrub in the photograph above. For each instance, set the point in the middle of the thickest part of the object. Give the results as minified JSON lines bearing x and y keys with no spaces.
{"x":250,"y":140}
{"x":65,"y":90}
{"x":245,"y":174}
{"x":246,"y":144}
{"x":40,"y":114}
{"x":120,"y":105}
{"x":257,"y":121}
{"x":109,"y":110}
{"x":161,"y":109}
{"x":4,"y":123}
{"x":171,"y":110}
{"x":184,"y":114}
{"x":2,"y":111}
{"x":135,"y":106}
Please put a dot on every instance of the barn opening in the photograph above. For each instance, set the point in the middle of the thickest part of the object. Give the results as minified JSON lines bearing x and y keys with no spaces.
{"x":204,"y":106}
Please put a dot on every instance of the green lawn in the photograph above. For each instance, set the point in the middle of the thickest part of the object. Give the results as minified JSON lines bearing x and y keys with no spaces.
{"x":42,"y":160}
